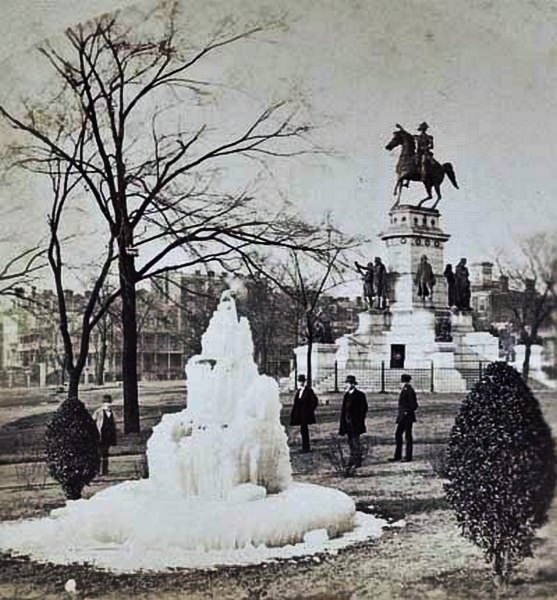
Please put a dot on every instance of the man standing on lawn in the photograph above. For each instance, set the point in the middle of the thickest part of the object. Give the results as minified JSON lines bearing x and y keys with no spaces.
{"x":353,"y":422}
{"x":303,"y":410}
{"x":104,"y":419}
{"x":406,"y":417}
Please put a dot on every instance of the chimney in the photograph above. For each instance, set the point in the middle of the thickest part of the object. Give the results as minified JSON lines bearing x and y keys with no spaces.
{"x":530,"y":285}
{"x":487,"y":273}
{"x":504,"y":283}
{"x":481,"y":274}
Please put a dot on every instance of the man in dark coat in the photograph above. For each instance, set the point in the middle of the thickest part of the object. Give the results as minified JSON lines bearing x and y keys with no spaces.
{"x":303,"y":410}
{"x":353,"y":421}
{"x":406,"y":417}
{"x":104,"y":419}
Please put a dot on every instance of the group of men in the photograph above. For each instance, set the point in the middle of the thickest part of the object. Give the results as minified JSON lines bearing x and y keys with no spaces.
{"x":353,"y":418}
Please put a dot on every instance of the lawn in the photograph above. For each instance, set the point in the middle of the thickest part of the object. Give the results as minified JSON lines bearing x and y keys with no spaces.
{"x":424,"y":558}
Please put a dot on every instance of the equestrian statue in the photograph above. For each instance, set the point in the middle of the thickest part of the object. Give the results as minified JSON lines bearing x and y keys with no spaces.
{"x":416,"y":163}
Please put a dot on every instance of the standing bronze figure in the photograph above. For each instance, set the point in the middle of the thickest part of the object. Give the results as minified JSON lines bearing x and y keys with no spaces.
{"x":425,"y":279}
{"x":416,"y":163}
{"x":462,"y":286}
{"x":367,"y":278}
{"x":380,"y":282}
{"x":451,"y":285}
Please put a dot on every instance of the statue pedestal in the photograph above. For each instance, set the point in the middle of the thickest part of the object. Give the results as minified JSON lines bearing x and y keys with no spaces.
{"x":373,"y":321}
{"x":414,"y":232}
{"x":323,"y":358}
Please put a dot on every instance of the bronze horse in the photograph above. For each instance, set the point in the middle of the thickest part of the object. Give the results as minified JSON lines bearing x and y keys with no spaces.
{"x":408,"y":169}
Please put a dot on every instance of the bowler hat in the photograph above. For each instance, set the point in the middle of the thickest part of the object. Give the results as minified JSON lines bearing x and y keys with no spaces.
{"x":351,"y":379}
{"x":405,"y":378}
{"x":107,"y":398}
{"x":423,"y":126}
{"x":301,"y":377}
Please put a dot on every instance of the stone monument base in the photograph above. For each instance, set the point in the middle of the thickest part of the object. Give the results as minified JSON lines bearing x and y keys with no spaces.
{"x":388,"y":343}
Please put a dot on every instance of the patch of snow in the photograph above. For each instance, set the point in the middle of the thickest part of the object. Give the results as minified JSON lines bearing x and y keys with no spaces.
{"x":397,"y":524}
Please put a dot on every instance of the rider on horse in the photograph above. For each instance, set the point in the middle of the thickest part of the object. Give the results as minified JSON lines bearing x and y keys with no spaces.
{"x":424,"y":147}
{"x":416,"y":163}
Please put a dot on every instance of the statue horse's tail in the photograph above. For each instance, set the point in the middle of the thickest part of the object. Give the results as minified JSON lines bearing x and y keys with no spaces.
{"x":448,"y":168}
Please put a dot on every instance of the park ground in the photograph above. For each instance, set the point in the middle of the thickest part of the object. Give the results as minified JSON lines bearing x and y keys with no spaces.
{"x":424,"y":558}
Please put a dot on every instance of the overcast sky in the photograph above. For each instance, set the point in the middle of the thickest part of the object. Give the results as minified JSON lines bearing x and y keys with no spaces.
{"x":481,"y":73}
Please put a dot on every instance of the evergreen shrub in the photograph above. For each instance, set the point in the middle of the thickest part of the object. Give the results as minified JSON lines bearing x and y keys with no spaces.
{"x":72,"y":447}
{"x":501,"y":468}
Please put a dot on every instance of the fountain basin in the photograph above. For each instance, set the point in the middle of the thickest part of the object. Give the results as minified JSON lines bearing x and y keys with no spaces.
{"x":133,"y":526}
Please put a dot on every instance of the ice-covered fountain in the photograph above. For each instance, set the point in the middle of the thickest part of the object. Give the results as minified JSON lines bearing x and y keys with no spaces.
{"x":220,"y":488}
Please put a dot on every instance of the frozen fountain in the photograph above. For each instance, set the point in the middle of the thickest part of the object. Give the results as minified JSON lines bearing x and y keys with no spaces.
{"x":220,"y":488}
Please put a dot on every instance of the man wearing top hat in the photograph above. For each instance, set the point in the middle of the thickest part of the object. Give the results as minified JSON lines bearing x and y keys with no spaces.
{"x":406,"y":417}
{"x":353,"y":421}
{"x":106,"y":425}
{"x":303,"y":410}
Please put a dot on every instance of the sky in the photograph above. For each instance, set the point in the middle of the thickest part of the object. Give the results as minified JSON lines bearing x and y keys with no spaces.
{"x":481,"y":73}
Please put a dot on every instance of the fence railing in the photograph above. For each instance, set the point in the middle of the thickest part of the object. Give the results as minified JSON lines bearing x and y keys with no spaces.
{"x":382,"y":378}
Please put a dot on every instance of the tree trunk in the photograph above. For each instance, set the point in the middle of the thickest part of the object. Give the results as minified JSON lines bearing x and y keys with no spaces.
{"x":73,"y":384}
{"x":526,"y":363}
{"x":101,"y":361}
{"x":309,"y":326}
{"x":500,"y":574}
{"x":129,"y":350}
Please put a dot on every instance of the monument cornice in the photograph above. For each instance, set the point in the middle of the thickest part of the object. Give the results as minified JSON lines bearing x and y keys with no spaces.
{"x":420,"y":210}
{"x":415,"y":233}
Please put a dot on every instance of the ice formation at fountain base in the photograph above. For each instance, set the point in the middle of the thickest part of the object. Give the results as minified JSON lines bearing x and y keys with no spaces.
{"x":220,"y":489}
{"x":130,"y":527}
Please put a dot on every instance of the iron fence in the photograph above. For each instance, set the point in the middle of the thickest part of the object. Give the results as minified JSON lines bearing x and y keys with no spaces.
{"x":382,"y":378}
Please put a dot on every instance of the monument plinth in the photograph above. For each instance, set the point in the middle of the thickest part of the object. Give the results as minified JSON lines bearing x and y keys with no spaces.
{"x":414,"y":232}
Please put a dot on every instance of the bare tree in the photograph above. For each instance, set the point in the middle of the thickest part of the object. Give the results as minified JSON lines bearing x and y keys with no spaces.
{"x":19,"y":267}
{"x":115,"y":127}
{"x":533,"y":300}
{"x":273,"y":318}
{"x":305,"y":278}
{"x":76,"y":343}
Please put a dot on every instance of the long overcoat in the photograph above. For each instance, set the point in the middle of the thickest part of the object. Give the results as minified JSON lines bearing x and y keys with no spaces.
{"x":353,"y":413}
{"x":303,"y":410}
{"x":407,"y":404}
{"x":106,"y":426}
